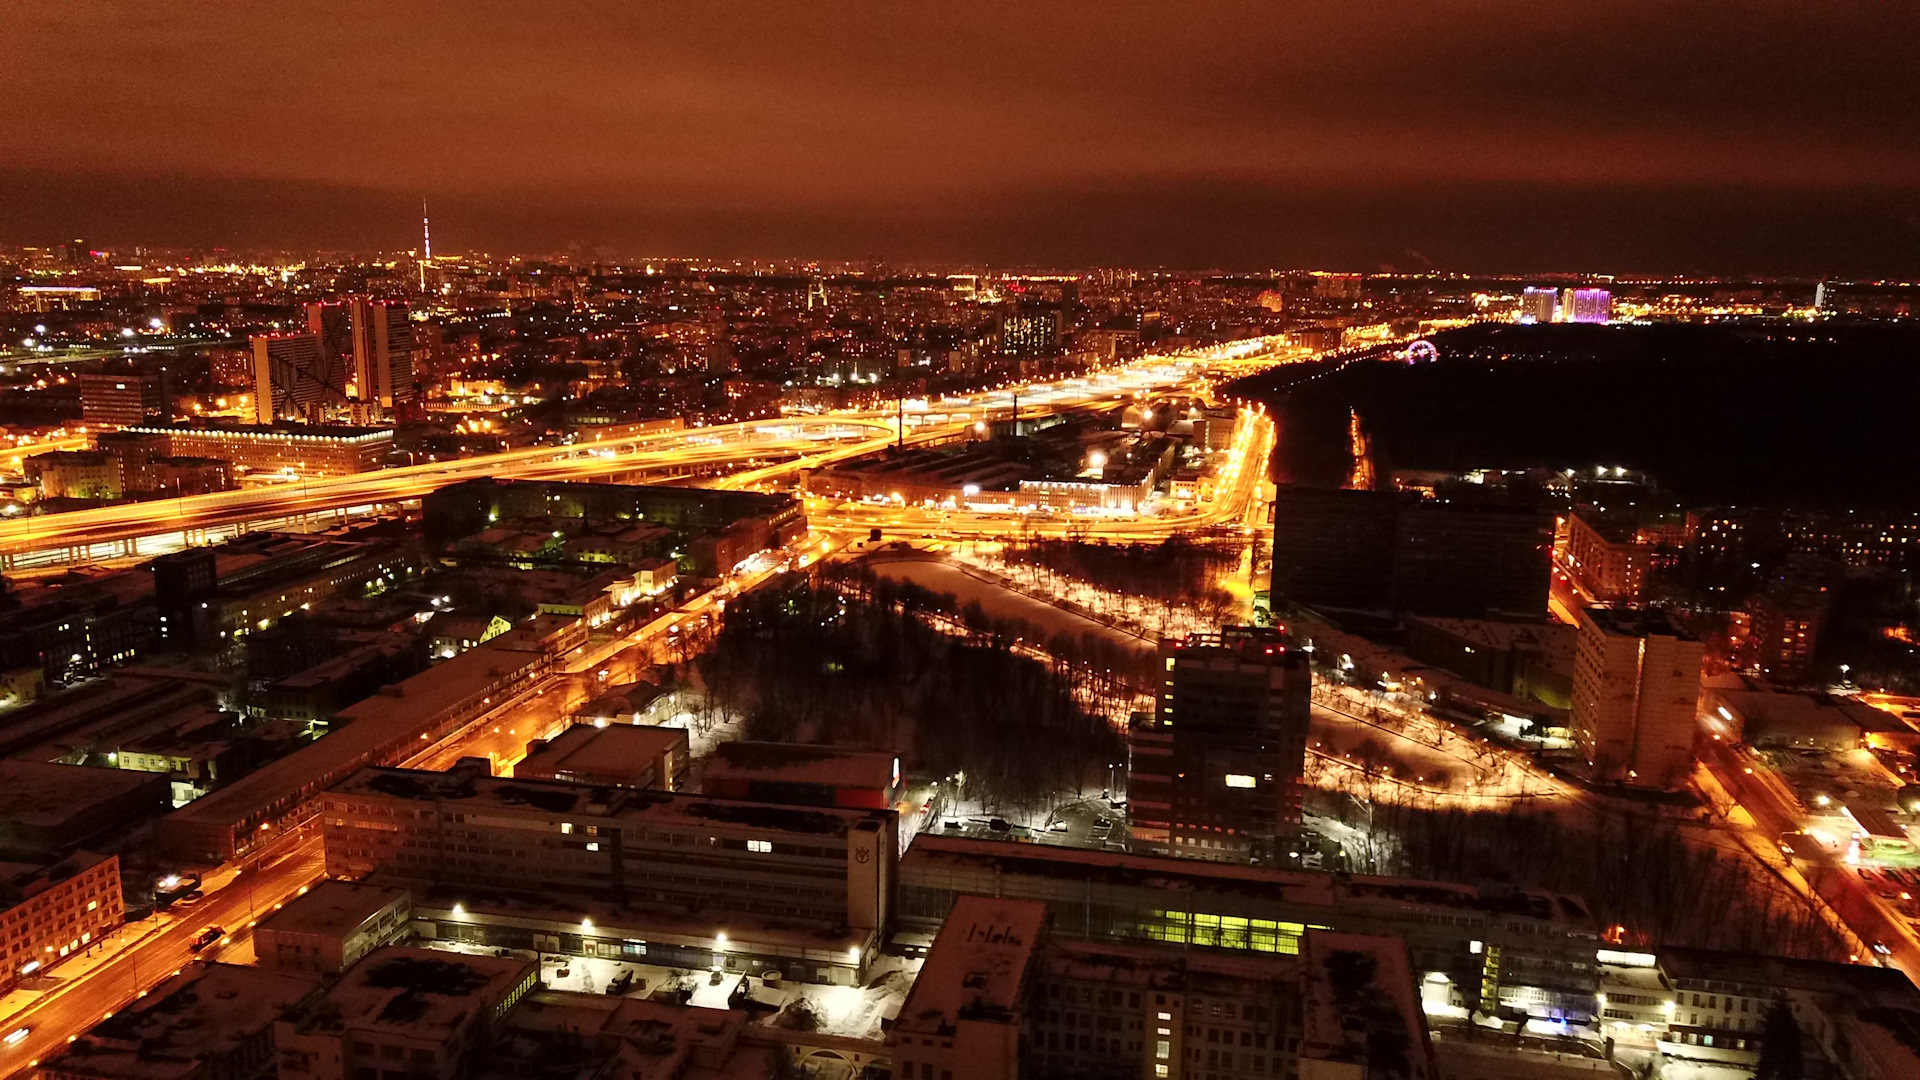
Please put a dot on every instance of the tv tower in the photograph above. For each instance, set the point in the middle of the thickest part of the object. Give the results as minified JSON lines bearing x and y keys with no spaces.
{"x":426,"y":244}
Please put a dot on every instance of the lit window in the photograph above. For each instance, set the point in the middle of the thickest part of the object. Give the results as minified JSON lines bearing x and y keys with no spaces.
{"x":759,"y":845}
{"x":1239,"y":780}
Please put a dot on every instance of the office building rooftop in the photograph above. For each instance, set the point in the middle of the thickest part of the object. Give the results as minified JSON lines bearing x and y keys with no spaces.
{"x":419,"y":991}
{"x":799,"y":764}
{"x":332,"y":908}
{"x":977,"y":967}
{"x":632,"y":804}
{"x":186,"y":1024}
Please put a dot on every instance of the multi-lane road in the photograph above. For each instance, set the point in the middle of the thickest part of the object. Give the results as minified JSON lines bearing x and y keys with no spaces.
{"x":1774,"y":815}
{"x":165,"y":524}
{"x":758,"y":451}
{"x":1235,"y":502}
{"x":148,"y":951}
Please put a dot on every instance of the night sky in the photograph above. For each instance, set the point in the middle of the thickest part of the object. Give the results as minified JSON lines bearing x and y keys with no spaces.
{"x":1624,"y":136}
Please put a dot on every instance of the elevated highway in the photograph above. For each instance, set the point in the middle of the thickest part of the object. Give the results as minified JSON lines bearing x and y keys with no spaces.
{"x":754,"y":453}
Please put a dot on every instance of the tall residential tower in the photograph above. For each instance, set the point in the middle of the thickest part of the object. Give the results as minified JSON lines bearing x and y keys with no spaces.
{"x":1636,"y":684}
{"x":1215,"y":773}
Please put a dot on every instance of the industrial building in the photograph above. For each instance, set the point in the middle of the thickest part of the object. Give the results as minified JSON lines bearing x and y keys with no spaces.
{"x":1515,"y":952}
{"x":753,"y":883}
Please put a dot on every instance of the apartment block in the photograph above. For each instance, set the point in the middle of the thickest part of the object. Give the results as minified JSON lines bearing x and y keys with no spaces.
{"x":1636,"y":690}
{"x":50,"y":912}
{"x":122,"y":400}
{"x":1606,"y":560}
{"x":1215,"y":772}
{"x":1392,"y":551}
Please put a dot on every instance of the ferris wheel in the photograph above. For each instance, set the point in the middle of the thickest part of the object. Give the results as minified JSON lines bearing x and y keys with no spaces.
{"x":1422,"y":351}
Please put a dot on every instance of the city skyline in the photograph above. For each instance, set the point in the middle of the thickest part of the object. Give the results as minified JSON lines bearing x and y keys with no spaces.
{"x":1638,"y":140}
{"x":1222,"y":541}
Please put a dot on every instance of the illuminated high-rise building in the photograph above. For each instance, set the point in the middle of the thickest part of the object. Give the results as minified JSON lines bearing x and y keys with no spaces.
{"x":295,"y":377}
{"x":122,"y":400}
{"x":1636,"y":681}
{"x":372,"y":342}
{"x":1590,"y":306}
{"x":1030,"y":332}
{"x":1538,"y":305}
{"x":1215,"y":773}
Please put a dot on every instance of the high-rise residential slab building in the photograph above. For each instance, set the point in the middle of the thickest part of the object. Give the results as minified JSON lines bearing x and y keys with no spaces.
{"x":1590,"y":306}
{"x":372,"y":342}
{"x":1538,"y":305}
{"x":1391,"y":551}
{"x":1636,"y":687}
{"x":295,"y":377}
{"x":1030,"y":332}
{"x":1215,"y":772}
{"x":355,"y":355}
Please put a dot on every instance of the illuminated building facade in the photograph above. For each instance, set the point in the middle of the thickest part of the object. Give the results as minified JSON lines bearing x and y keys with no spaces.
{"x":1030,"y":332}
{"x":308,"y":451}
{"x":1590,"y":306}
{"x":1636,"y":687}
{"x":1538,"y":305}
{"x":75,"y":474}
{"x":372,"y":343}
{"x":1777,"y":631}
{"x":52,"y":912}
{"x":122,"y":400}
{"x":1606,"y":560}
{"x":1215,"y":773}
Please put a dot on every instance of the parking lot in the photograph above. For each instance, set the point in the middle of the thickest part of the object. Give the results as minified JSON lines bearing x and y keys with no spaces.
{"x":1095,"y":823}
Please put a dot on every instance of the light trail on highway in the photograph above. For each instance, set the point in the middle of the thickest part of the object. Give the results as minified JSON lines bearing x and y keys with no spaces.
{"x":173,"y":523}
